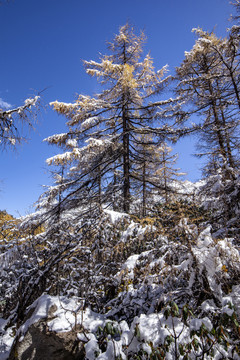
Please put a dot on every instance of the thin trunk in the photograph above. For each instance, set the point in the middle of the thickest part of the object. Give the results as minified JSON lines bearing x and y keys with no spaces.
{"x":99,"y":179}
{"x":235,"y":89}
{"x":126,"y":164}
{"x":226,"y":136}
{"x":226,"y":133}
{"x":59,"y":210}
{"x":144,"y":190}
{"x":114,"y":191}
{"x":165,"y":176}
{"x":217,"y":122}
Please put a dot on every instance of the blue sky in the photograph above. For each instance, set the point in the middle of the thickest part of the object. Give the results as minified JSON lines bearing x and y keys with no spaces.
{"x":42,"y":44}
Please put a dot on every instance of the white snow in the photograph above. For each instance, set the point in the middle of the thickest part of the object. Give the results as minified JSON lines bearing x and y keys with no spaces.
{"x":71,"y":142}
{"x":115,"y":216}
{"x":6,"y":340}
{"x":195,"y":324}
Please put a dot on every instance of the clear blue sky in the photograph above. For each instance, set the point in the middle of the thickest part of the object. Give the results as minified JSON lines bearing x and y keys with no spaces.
{"x":42,"y":44}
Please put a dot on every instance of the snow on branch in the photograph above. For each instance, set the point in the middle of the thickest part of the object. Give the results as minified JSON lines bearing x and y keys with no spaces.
{"x":10,"y":122}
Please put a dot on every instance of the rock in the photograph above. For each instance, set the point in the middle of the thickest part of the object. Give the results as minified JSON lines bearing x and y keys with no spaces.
{"x":39,"y":343}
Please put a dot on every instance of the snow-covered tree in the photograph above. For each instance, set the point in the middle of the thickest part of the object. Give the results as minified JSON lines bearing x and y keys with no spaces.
{"x":145,"y":164}
{"x":208,"y":87}
{"x":103,"y":130}
{"x":167,"y":174}
{"x":11,"y":121}
{"x":154,"y":172}
{"x":208,"y":90}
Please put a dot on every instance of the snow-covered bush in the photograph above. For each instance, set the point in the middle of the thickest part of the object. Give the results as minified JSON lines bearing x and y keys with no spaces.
{"x":157,"y":293}
{"x":169,"y":333}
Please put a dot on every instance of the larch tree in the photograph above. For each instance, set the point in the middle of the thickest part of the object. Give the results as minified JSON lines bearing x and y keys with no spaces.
{"x":166,"y":174}
{"x":208,"y":93}
{"x":154,"y":172}
{"x":101,"y":144}
{"x":15,"y":121}
{"x":11,"y":121}
{"x":96,"y":166}
{"x":145,"y":163}
{"x":208,"y":87}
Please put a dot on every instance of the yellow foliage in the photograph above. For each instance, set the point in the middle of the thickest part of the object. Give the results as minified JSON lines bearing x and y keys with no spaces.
{"x":224,"y":268}
{"x":6,"y":232}
{"x":128,"y":80}
{"x":9,"y":231}
{"x":145,"y":221}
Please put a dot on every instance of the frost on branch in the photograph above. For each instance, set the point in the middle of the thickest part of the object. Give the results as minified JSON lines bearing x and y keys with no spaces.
{"x":14,"y":121}
{"x":106,"y":132}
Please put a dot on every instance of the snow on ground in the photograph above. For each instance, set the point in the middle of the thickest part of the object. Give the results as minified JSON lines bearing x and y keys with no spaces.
{"x":115,"y":216}
{"x":6,"y":340}
{"x":147,"y":331}
{"x":68,"y":313}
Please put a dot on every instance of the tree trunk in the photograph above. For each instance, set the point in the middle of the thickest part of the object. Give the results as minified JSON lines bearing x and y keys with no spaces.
{"x":126,"y":160}
{"x":217,"y":122}
{"x":144,"y":190}
{"x":126,"y":163}
{"x":99,"y":179}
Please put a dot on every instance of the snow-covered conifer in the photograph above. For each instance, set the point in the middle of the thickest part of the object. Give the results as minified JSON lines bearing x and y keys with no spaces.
{"x":208,"y":82}
{"x":103,"y":131}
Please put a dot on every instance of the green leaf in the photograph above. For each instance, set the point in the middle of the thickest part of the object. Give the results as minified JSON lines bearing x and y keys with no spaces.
{"x":175,"y":309}
{"x":99,"y":330}
{"x":213,"y":331}
{"x":167,"y":313}
{"x":185,"y":313}
{"x":137,"y":332}
{"x":169,"y":339}
{"x":195,"y":344}
{"x":236,"y":323}
{"x":109,"y":328}
{"x":181,"y":349}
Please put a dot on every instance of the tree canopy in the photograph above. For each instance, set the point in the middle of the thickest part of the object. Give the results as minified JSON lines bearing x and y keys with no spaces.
{"x":106,"y":131}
